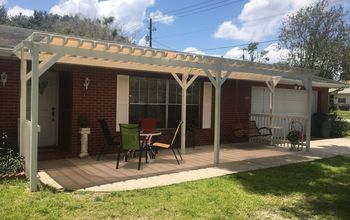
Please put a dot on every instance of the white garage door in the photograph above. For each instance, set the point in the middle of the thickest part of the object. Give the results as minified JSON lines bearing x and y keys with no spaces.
{"x":287,"y":101}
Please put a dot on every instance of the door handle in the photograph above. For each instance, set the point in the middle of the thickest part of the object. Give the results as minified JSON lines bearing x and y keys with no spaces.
{"x":53,"y":114}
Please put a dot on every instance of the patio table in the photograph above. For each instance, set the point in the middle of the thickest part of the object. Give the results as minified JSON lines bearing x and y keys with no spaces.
{"x":148,"y":135}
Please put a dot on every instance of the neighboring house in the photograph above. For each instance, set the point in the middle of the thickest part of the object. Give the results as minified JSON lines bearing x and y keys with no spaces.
{"x":341,"y":99}
{"x":137,"y":86}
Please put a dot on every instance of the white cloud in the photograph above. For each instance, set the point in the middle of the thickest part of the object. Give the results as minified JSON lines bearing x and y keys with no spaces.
{"x":275,"y":53}
{"x":158,"y":16}
{"x":16,"y":10}
{"x":143,"y":42}
{"x":259,"y":19}
{"x":236,"y":53}
{"x":3,"y":2}
{"x":193,"y":50}
{"x":128,"y":13}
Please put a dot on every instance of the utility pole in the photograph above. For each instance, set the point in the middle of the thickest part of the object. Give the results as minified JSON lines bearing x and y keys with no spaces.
{"x":243,"y":53}
{"x":150,"y":29}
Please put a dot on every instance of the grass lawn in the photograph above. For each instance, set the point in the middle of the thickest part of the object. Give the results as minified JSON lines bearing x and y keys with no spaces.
{"x":343,"y":114}
{"x":318,"y":189}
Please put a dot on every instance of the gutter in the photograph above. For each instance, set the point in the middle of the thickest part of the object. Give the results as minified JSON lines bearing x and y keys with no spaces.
{"x":8,"y":52}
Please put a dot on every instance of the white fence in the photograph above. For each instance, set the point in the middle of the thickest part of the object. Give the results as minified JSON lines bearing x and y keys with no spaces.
{"x":280,"y":126}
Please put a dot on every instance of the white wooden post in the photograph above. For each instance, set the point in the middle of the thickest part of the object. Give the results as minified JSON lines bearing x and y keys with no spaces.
{"x":217,"y":117}
{"x":272,"y":85}
{"x":184,"y":84}
{"x":34,"y":119}
{"x":308,"y":87}
{"x":183,"y":112}
{"x":23,"y":103}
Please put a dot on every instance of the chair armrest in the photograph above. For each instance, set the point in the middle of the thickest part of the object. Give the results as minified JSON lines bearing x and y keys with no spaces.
{"x":266,"y":128}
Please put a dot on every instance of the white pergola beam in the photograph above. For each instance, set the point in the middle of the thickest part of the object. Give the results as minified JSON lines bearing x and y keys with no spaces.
{"x":34,"y":119}
{"x":45,"y":65}
{"x":162,"y":61}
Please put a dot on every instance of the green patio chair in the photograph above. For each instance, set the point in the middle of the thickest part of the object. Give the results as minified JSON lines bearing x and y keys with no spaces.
{"x":159,"y":145}
{"x":130,"y":142}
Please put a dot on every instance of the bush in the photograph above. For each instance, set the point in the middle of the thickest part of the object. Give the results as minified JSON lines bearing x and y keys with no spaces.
{"x":11,"y":162}
{"x":340,"y":128}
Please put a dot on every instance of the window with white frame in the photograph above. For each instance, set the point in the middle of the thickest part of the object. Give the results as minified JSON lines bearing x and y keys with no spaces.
{"x":341,"y":100}
{"x":161,"y":99}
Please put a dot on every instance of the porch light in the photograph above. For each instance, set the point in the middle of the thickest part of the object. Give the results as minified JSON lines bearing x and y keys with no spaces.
{"x":3,"y":78}
{"x":86,"y":83}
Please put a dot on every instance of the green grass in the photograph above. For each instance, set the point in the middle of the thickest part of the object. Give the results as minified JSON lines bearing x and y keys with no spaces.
{"x":343,"y":114}
{"x":312,"y":190}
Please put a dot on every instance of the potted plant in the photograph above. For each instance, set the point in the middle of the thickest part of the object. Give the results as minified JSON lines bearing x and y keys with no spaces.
{"x":84,"y":131}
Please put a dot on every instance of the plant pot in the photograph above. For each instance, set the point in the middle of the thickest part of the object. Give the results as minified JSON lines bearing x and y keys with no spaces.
{"x":84,"y":142}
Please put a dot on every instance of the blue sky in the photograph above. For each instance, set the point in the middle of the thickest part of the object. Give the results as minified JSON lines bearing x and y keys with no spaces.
{"x":237,"y":23}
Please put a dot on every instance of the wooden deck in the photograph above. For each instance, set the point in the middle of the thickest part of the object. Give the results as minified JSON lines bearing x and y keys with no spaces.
{"x":75,"y":173}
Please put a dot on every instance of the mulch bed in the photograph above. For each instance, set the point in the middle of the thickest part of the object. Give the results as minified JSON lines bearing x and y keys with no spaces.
{"x":12,"y":175}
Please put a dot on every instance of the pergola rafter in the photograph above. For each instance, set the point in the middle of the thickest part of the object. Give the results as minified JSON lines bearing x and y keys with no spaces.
{"x":44,"y":50}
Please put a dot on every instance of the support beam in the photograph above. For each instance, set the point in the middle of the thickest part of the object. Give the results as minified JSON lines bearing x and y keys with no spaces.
{"x":272,"y":85}
{"x":217,"y":117}
{"x":45,"y":65}
{"x":23,"y":103}
{"x":184,"y":84}
{"x":308,"y":87}
{"x":183,"y":112}
{"x":34,"y":119}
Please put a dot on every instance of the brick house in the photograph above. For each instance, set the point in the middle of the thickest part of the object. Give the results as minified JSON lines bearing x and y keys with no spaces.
{"x":123,"y":91}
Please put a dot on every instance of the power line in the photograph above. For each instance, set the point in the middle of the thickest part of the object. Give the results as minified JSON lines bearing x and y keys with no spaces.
{"x":251,"y":20}
{"x":191,"y":10}
{"x":164,"y":45}
{"x":237,"y":45}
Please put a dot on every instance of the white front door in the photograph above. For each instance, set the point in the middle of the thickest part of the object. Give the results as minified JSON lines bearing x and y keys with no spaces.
{"x":48,"y":109}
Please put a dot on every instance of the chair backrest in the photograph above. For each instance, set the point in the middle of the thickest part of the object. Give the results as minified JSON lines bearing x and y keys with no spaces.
{"x":130,"y":136}
{"x":252,"y":129}
{"x":176,"y":132}
{"x":149,"y":123}
{"x":106,"y":132}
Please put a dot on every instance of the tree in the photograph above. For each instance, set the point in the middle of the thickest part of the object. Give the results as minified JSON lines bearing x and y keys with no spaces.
{"x":251,"y":50}
{"x":107,"y":29}
{"x":317,"y":38}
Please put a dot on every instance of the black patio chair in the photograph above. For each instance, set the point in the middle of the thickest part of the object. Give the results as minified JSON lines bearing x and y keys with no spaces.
{"x":110,"y":140}
{"x":159,"y":145}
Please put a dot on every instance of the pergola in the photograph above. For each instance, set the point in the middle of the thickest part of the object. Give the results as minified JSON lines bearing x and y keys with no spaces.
{"x":45,"y":49}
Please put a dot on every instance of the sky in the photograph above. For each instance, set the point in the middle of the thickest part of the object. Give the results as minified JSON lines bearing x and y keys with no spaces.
{"x":211,"y":27}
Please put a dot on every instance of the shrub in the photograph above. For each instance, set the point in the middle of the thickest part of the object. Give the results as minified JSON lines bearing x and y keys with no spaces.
{"x":340,"y":128}
{"x":11,"y":162}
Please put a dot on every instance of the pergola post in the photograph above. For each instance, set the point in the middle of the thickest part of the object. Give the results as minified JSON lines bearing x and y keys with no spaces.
{"x":308,"y":87}
{"x":217,"y":117}
{"x":217,"y":83}
{"x":34,"y":119}
{"x":23,"y":103}
{"x":183,"y":112}
{"x":184,"y":84}
{"x":272,"y":85}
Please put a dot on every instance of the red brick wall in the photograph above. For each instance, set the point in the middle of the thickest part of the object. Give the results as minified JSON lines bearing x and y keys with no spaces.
{"x":9,"y":99}
{"x":99,"y":102}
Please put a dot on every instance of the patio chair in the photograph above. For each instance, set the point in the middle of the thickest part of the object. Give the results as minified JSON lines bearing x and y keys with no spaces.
{"x":159,"y":145}
{"x":130,"y":141}
{"x":254,"y":131}
{"x":110,"y":140}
